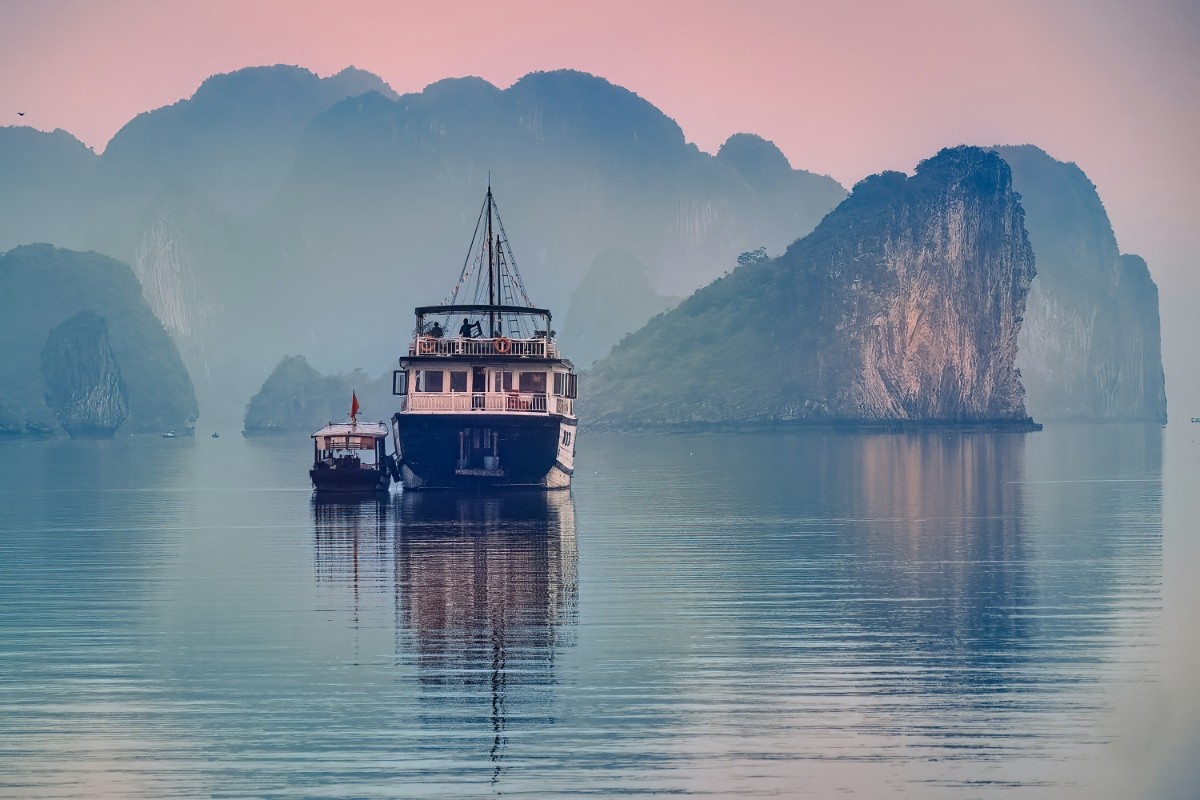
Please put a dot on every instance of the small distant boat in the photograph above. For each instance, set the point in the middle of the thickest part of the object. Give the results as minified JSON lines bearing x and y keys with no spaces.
{"x":169,"y":435}
{"x":1195,"y":419}
{"x":351,"y":457}
{"x":216,"y":435}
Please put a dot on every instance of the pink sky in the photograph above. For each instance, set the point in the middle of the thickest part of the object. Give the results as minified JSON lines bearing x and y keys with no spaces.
{"x":845,"y":88}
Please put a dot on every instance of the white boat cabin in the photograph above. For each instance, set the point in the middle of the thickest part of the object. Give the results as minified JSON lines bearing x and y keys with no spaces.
{"x":521,"y":373}
{"x":350,"y":446}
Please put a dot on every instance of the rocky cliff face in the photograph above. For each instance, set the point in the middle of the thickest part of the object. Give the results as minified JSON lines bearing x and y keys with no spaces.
{"x":83,"y":380}
{"x":904,"y":305}
{"x":1090,"y":347}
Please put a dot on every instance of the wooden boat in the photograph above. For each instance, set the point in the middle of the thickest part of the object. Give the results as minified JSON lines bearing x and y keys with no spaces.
{"x":493,"y":406}
{"x":351,"y":458}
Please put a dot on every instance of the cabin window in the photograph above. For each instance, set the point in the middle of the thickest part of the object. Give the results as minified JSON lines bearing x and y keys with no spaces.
{"x":564,"y":384}
{"x":458,"y":380}
{"x":533,"y":382}
{"x":503,"y":382}
{"x":399,"y":382}
{"x":429,"y":380}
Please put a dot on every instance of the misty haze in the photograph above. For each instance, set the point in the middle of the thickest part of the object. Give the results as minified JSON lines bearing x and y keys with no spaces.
{"x":681,"y":467}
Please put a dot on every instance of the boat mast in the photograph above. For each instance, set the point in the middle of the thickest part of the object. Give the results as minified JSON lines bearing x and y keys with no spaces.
{"x":491,"y":268}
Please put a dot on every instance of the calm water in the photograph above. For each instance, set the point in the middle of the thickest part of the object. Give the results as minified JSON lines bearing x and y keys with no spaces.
{"x":937,"y":615}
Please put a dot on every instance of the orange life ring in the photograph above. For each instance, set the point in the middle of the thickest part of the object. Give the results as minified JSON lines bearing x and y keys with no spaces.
{"x":427,"y":345}
{"x":502,"y":345}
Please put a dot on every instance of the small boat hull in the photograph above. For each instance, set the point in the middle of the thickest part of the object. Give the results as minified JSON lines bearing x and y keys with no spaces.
{"x":349,"y":481}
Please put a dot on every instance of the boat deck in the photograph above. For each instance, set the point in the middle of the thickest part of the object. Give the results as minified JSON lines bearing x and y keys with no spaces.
{"x":537,"y":347}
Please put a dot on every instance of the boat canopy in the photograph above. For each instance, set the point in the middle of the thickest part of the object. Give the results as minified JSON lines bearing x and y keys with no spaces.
{"x":520,"y":322}
{"x":480,"y":308}
{"x":349,"y":436}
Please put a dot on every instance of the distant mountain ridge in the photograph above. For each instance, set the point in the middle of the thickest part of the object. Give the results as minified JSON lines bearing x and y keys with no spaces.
{"x":257,"y":210}
{"x":606,"y":166}
{"x":233,"y":139}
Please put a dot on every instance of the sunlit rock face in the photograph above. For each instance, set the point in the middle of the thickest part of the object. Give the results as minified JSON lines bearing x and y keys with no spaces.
{"x":904,"y":305}
{"x":83,"y":380}
{"x":1090,"y":348}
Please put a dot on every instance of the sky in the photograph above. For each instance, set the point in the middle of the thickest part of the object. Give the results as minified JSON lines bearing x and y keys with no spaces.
{"x":843,"y":88}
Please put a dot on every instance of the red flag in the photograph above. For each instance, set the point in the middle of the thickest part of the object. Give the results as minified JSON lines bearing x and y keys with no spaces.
{"x":353,"y":407}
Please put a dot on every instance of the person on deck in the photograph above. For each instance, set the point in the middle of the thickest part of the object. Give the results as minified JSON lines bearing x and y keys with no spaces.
{"x":464,"y":330}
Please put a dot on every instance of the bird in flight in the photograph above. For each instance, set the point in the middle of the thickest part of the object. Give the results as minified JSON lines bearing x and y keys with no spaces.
{"x":20,"y":113}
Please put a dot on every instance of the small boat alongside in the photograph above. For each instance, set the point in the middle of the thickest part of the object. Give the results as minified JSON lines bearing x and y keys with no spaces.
{"x":351,"y":458}
{"x":494,"y":405}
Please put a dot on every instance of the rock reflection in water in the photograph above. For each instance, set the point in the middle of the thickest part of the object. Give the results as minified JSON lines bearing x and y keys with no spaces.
{"x":944,"y":545}
{"x":967,"y":594}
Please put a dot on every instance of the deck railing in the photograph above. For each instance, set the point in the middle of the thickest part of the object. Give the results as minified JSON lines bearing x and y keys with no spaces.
{"x":515,"y":402}
{"x":538,"y":347}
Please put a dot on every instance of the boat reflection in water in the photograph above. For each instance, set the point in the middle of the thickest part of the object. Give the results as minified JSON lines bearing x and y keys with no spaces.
{"x":489,"y":598}
{"x":485,"y":599}
{"x":352,"y":540}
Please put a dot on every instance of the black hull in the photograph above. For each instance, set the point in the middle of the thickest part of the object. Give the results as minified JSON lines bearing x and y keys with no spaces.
{"x":349,"y":481}
{"x":451,"y":451}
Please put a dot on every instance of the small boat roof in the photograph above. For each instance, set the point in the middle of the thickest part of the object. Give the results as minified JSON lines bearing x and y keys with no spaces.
{"x":376,"y":430}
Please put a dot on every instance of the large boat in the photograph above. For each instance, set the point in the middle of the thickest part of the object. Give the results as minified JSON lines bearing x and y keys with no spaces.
{"x":486,"y":399}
